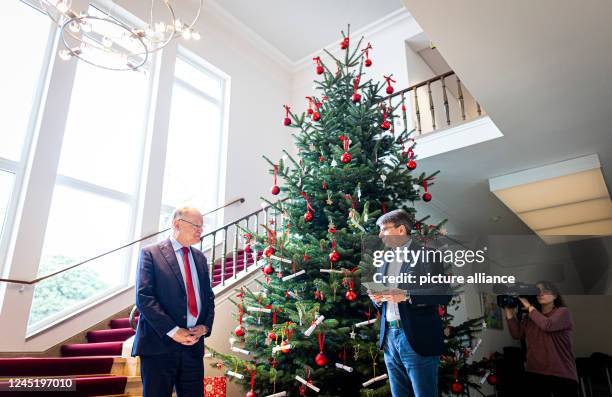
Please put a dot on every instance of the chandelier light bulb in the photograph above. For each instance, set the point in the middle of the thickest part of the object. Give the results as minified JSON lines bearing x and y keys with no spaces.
{"x":186,"y":34}
{"x":74,"y":26}
{"x":160,"y":27}
{"x":195,"y":35}
{"x":178,"y":25}
{"x":107,"y":42}
{"x":61,"y":6}
{"x":65,"y":55}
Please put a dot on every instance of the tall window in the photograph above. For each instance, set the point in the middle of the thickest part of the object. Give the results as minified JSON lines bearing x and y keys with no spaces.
{"x":195,"y":139}
{"x":95,"y":199}
{"x":22,"y":75}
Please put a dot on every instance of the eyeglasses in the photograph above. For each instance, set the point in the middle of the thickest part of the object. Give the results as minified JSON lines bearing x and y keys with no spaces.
{"x":193,"y":225}
{"x":385,"y":228}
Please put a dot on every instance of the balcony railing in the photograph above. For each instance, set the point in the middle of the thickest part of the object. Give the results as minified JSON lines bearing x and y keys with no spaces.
{"x":436,"y":103}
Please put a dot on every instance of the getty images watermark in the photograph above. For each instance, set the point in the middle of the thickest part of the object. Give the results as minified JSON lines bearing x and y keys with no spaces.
{"x":405,"y":255}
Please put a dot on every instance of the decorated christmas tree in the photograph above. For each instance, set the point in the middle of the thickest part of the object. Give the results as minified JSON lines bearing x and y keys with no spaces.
{"x":308,"y":328}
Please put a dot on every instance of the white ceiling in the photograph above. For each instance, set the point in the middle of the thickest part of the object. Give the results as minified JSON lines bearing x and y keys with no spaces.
{"x":299,"y":28}
{"x":542,"y":71}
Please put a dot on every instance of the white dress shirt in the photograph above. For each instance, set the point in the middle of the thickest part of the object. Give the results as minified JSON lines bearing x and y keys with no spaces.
{"x":394,"y":269}
{"x":178,"y":251}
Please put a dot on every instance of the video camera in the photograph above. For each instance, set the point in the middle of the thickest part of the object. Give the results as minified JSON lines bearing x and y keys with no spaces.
{"x":507,"y":295}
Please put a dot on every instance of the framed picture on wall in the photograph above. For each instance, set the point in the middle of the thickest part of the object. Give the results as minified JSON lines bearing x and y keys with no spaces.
{"x":492,"y":312}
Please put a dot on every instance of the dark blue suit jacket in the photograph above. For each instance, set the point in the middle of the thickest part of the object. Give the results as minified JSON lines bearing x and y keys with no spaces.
{"x":161,"y":299}
{"x":419,"y":317}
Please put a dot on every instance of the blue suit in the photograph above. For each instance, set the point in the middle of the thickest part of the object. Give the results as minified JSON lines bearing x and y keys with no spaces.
{"x":161,"y":299}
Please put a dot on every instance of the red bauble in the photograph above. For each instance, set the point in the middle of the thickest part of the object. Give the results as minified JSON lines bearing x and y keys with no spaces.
{"x":247,"y":248}
{"x":318,"y":104}
{"x":427,"y":197}
{"x":268,"y":269}
{"x":302,"y":390}
{"x":306,"y":257}
{"x":411,"y":165}
{"x":251,"y":393}
{"x":316,"y":116}
{"x":344,"y":44}
{"x":271,"y":335}
{"x":385,"y":125}
{"x":334,"y":256}
{"x":368,"y":63}
{"x":351,"y":295}
{"x":492,"y":379}
{"x":320,"y":359}
{"x":389,"y":90}
{"x":457,"y":388}
{"x":239,"y":331}
{"x":275,"y":190}
{"x":287,"y":121}
{"x":285,"y":343}
{"x":308,"y":216}
{"x":269,"y":251}
{"x":320,"y":69}
{"x":345,"y":158}
{"x":309,"y":111}
{"x":321,"y":158}
{"x":356,"y":97}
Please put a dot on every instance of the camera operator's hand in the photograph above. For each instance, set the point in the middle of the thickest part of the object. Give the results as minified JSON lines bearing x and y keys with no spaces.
{"x":509,"y":311}
{"x":526,"y":304}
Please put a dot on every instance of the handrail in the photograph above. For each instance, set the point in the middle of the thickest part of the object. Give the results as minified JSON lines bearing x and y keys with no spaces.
{"x":421,"y":84}
{"x":39,"y":279}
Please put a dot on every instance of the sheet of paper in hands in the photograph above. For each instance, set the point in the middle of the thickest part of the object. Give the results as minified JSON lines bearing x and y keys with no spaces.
{"x":381,"y":289}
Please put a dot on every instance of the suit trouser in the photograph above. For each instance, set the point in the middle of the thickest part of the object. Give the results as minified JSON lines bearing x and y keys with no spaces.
{"x":410,"y":374}
{"x":182,"y":370}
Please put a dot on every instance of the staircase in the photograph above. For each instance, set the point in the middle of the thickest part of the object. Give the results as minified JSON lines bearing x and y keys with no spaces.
{"x":96,"y":366}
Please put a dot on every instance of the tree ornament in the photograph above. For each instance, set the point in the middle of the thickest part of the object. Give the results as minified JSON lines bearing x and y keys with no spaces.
{"x":247,"y":246}
{"x":368,"y":61}
{"x":351,"y":296}
{"x":287,"y":120}
{"x":269,"y":251}
{"x":346,"y":157}
{"x":268,"y":269}
{"x":285,"y":343}
{"x":239,"y":331}
{"x":457,"y":388}
{"x":426,"y":195}
{"x":251,"y":393}
{"x":389,"y":89}
{"x":320,"y":358}
{"x":385,"y":125}
{"x":308,"y":217}
{"x":316,"y":116}
{"x":275,"y":189}
{"x":319,"y":69}
{"x":271,"y":335}
{"x":356,"y":96}
{"x":411,"y":165}
{"x":309,"y":111}
{"x":492,"y":379}
{"x":344,"y":43}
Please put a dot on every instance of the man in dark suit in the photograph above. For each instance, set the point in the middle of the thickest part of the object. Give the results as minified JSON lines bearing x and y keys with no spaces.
{"x":177,"y":308}
{"x":411,"y":332}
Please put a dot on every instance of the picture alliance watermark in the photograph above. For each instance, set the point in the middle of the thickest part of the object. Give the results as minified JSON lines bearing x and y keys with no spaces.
{"x":458,"y":258}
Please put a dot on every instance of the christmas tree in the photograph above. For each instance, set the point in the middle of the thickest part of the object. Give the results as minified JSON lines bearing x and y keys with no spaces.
{"x":308,"y":328}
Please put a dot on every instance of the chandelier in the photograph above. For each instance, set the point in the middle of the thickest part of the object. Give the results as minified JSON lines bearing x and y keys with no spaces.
{"x":105,"y":40}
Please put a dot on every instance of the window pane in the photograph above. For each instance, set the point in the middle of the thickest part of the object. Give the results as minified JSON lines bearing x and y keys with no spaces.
{"x":196,"y":77}
{"x":19,"y":71}
{"x":6,"y":188}
{"x":81,"y":225}
{"x":193,"y":152}
{"x":105,"y":128}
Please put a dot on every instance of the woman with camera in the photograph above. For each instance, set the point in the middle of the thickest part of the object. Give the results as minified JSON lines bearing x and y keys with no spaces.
{"x":547,"y":329}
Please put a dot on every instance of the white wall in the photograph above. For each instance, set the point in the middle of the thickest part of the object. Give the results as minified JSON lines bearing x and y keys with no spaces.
{"x":259,"y":87}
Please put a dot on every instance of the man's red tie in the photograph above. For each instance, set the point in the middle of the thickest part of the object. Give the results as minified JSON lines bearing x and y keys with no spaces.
{"x":191,"y":298}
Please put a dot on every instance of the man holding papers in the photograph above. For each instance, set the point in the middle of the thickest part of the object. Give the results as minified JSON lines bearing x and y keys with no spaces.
{"x":411,"y":329}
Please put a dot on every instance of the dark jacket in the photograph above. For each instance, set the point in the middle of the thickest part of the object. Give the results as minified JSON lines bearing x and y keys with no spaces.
{"x":420,"y":318}
{"x":161,"y":299}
